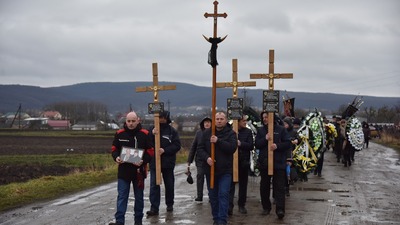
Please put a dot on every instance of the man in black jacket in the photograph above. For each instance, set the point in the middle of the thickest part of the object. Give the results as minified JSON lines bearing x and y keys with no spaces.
{"x":225,"y":142}
{"x":170,"y":144}
{"x":279,"y":147}
{"x":132,"y":136}
{"x":245,"y":145}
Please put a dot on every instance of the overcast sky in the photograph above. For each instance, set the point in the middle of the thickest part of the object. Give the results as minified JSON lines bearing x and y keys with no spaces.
{"x":342,"y":46}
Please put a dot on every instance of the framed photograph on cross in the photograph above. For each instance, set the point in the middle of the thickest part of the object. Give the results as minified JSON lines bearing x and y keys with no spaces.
{"x":131,"y":155}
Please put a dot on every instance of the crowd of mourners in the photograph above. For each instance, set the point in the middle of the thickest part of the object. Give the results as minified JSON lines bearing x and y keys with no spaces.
{"x":213,"y":154}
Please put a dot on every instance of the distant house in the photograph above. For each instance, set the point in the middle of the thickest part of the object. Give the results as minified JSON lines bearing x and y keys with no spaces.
{"x":53,"y":115}
{"x":59,"y":124}
{"x":84,"y":126}
{"x":45,"y":123}
{"x":14,"y":119}
{"x":189,"y":126}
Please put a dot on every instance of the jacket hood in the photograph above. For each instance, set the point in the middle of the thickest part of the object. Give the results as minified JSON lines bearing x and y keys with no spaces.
{"x":166,"y":115}
{"x":202,"y":122}
{"x":288,"y":120}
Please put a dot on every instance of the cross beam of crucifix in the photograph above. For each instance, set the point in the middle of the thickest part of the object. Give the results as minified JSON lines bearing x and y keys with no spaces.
{"x":271,"y":76}
{"x":235,"y":84}
{"x":155,"y":89}
{"x":214,"y":41}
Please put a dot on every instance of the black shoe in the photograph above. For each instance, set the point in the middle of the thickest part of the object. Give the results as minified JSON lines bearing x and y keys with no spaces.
{"x":138,"y":223}
{"x":116,"y":223}
{"x":152,"y":213}
{"x":319,"y":174}
{"x":242,"y":210}
{"x":230,"y":212}
{"x":266,"y":211}
{"x":198,"y":199}
{"x":170,"y":208}
{"x":280,"y":214}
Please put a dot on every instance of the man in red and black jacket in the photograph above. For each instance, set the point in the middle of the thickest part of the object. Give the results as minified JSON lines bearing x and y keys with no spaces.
{"x":132,"y":136}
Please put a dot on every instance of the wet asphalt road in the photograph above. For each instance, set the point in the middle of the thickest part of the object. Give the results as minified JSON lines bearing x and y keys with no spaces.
{"x":366,"y":193}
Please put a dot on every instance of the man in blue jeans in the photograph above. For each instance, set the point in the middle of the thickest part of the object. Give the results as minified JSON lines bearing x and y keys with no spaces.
{"x":132,"y":136}
{"x":225,"y":142}
{"x":170,"y":144}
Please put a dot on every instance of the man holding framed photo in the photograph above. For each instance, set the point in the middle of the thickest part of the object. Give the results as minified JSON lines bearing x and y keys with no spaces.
{"x":132,"y":150}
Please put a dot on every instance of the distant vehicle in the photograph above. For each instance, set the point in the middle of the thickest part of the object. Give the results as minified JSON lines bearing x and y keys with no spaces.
{"x":373,"y":132}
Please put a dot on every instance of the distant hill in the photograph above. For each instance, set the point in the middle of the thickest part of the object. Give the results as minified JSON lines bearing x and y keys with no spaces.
{"x":119,"y":96}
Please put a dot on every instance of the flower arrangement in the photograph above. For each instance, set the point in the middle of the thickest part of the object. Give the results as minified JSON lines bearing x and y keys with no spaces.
{"x":354,"y":133}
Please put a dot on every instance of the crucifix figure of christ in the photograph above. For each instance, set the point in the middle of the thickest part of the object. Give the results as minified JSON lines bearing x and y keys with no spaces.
{"x":271,"y":76}
{"x":155,"y":89}
{"x":235,"y":84}
{"x":213,"y":62}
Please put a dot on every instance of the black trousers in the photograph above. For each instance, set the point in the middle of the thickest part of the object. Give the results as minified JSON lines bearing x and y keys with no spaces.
{"x":243,"y":181}
{"x":278,"y":183}
{"x":201,"y":173}
{"x":320,"y":163}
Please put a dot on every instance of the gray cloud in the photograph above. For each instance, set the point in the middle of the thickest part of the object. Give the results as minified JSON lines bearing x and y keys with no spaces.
{"x":339,"y":47}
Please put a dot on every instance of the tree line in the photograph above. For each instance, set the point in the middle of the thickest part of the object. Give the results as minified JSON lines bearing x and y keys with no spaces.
{"x":90,"y":111}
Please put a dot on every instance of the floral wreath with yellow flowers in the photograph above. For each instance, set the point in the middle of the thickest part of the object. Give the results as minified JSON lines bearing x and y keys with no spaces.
{"x":311,"y":142}
{"x":331,"y":134}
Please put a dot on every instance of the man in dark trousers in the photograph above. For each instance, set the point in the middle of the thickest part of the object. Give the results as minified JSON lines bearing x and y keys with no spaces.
{"x":170,"y":144}
{"x":225,"y":142}
{"x":193,"y":156}
{"x":338,"y":140}
{"x":280,"y":147}
{"x":245,"y":145}
{"x":131,"y":136}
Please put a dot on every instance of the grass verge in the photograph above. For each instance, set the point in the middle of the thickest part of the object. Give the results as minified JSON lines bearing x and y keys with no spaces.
{"x":94,"y":170}
{"x":388,"y":140}
{"x":50,"y":187}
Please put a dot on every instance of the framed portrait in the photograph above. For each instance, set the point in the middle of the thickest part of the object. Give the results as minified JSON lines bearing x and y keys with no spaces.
{"x":131,"y":155}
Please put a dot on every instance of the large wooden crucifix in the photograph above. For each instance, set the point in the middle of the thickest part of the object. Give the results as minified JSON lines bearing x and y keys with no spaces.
{"x":212,"y":60}
{"x":235,"y":84}
{"x":155,"y":89}
{"x":271,"y":76}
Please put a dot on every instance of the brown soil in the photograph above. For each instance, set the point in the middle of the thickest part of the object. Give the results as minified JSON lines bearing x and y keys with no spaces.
{"x":17,"y":145}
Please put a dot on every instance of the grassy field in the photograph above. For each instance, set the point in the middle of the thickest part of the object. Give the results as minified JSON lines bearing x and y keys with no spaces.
{"x":94,"y":170}
{"x":389,"y":141}
{"x":84,"y":171}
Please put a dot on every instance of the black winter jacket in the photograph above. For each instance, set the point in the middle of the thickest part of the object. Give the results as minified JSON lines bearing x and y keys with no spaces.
{"x":282,"y":141}
{"x":170,"y":142}
{"x":224,"y":149}
{"x":193,"y":154}
{"x":246,"y":139}
{"x":126,"y":137}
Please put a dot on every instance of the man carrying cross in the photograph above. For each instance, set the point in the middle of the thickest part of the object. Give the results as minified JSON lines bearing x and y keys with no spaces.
{"x":273,"y":141}
{"x":281,"y":143}
{"x":170,"y":144}
{"x":225,"y":142}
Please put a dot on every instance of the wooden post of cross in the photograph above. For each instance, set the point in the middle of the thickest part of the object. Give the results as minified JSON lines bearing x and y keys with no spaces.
{"x":213,"y":62}
{"x":235,"y":84}
{"x":158,"y":108}
{"x":271,"y":76}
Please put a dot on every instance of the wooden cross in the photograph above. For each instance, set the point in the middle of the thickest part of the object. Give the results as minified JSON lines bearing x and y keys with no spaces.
{"x":155,"y":89}
{"x":235,"y":84}
{"x":215,"y":15}
{"x":271,"y":76}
